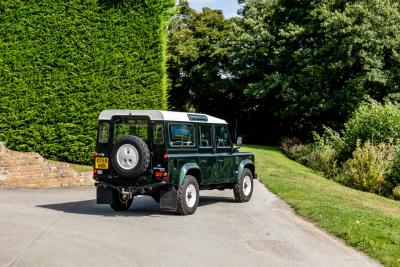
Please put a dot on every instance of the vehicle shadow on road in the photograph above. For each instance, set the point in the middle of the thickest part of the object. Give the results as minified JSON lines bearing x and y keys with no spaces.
{"x":209,"y":200}
{"x":142,"y":206}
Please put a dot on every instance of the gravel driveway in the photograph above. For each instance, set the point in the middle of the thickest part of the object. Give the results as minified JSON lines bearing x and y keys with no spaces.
{"x":65,"y":227}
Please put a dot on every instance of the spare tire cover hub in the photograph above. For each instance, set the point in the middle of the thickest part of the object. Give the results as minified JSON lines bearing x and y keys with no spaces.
{"x":127,"y":157}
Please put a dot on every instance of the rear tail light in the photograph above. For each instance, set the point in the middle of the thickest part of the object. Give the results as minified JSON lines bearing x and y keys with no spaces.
{"x":97,"y":172}
{"x":165,"y":157}
{"x":165,"y":176}
{"x":161,"y":175}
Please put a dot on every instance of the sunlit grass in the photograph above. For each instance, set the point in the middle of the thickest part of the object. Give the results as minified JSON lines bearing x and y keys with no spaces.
{"x":77,"y":167}
{"x":366,"y":221}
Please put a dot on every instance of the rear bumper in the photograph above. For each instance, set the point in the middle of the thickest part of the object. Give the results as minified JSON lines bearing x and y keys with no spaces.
{"x":135,"y":190}
{"x":167,"y":192}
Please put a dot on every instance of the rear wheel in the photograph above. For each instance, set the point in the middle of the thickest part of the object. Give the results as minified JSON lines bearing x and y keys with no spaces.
{"x":156,"y":197}
{"x":243,"y":189}
{"x":119,"y":203}
{"x":188,"y":196}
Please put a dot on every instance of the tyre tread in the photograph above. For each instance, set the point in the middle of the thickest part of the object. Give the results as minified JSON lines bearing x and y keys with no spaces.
{"x":181,"y":203}
{"x":238,"y":190}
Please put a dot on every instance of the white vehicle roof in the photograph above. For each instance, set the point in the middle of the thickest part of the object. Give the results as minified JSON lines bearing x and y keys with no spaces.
{"x":160,"y":115}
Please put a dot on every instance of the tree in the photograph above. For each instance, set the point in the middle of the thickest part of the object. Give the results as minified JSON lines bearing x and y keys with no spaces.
{"x":312,"y":62}
{"x":199,"y":61}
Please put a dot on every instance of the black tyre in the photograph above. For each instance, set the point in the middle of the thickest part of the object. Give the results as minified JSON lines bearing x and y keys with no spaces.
{"x":130,"y":157}
{"x":120,"y":204}
{"x":243,"y":189}
{"x":188,"y":196}
{"x":156,"y":197}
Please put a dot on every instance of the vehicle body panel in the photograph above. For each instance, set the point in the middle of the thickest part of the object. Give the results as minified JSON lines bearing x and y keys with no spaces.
{"x":214,"y":164}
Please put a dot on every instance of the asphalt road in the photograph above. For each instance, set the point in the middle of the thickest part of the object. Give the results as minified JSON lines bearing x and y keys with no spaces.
{"x":65,"y":227}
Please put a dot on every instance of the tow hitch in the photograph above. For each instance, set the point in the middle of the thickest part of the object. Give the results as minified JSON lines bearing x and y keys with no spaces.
{"x":126,"y":195}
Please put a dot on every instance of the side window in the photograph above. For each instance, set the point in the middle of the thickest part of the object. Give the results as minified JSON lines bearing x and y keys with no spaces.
{"x":181,"y":135}
{"x":158,"y":134}
{"x":104,"y":128}
{"x":222,"y":136}
{"x":205,"y":133}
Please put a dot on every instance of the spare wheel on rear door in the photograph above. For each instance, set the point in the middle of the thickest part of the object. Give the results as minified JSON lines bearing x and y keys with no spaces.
{"x":130,"y":157}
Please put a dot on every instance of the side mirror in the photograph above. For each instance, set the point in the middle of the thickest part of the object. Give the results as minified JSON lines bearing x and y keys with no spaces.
{"x":239,"y":141}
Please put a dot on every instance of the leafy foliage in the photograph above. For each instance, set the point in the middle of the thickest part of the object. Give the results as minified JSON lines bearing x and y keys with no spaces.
{"x":373,"y":121}
{"x":396,"y":192}
{"x":320,"y":155}
{"x":312,"y":62}
{"x":365,"y":156}
{"x":393,"y":178}
{"x":62,"y":62}
{"x":369,"y":167}
{"x":199,"y":60}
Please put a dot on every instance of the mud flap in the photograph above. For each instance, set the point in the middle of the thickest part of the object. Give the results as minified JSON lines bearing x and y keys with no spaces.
{"x":104,"y":195}
{"x":168,"y":198}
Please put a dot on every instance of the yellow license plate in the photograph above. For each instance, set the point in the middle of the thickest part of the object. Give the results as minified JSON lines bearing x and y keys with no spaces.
{"x":101,"y":163}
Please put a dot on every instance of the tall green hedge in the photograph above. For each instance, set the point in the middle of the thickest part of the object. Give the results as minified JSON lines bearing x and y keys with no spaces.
{"x":62,"y":62}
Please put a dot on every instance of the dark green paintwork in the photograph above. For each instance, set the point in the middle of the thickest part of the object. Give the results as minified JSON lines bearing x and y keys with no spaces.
{"x":229,"y":170}
{"x":211,"y":166}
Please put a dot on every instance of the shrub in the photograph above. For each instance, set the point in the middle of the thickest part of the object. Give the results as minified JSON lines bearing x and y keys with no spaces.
{"x":62,"y":62}
{"x":369,"y":166}
{"x":393,"y":178}
{"x":287,"y":143}
{"x":334,"y":140}
{"x":372,"y":121}
{"x":319,"y":155}
{"x":294,"y":149}
{"x":322,"y":158}
{"x":396,"y":192}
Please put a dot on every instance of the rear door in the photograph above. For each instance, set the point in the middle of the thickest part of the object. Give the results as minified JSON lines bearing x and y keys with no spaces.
{"x":225,"y":159}
{"x":207,"y":159}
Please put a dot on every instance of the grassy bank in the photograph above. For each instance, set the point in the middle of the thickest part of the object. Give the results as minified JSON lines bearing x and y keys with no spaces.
{"x":366,"y":221}
{"x":76,"y":167}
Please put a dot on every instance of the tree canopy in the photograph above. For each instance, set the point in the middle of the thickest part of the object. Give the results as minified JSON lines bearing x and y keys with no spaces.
{"x":200,"y":60}
{"x":292,"y":65}
{"x":316,"y":60}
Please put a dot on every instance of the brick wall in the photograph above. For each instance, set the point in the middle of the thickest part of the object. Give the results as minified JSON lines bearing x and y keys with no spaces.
{"x":30,"y":170}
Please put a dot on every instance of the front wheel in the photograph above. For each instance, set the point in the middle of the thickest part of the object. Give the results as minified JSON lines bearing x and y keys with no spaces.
{"x":243,"y":189}
{"x":119,"y":203}
{"x":188,"y":196}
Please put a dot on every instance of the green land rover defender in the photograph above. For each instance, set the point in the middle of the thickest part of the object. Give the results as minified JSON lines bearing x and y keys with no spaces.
{"x":169,"y":156}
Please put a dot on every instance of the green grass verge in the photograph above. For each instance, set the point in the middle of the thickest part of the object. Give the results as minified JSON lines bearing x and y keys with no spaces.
{"x":363,"y":220}
{"x":81,"y":168}
{"x":76,"y":167}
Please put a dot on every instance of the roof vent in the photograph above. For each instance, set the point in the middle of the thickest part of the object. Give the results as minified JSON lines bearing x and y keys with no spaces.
{"x":197,"y":117}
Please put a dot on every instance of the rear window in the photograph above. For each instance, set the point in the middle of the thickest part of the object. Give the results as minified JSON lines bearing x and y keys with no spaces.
{"x":124,"y":127}
{"x":158,"y":134}
{"x":205,"y":132}
{"x":222,"y":136}
{"x":104,"y":128}
{"x":182,"y":135}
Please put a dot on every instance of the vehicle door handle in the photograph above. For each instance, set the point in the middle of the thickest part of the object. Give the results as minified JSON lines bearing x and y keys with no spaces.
{"x":203,"y":161}
{"x":220,"y":160}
